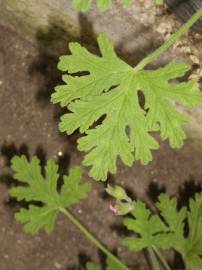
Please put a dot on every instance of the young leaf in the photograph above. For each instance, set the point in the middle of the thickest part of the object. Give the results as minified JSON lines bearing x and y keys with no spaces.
{"x":124,"y":204}
{"x":118,"y":193}
{"x":44,"y":190}
{"x":110,"y":91}
{"x":84,"y":5}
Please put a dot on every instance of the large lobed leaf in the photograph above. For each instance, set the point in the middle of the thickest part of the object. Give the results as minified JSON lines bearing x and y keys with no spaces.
{"x":110,"y":91}
{"x":42,"y":189}
{"x":84,"y":5}
{"x":167,"y":230}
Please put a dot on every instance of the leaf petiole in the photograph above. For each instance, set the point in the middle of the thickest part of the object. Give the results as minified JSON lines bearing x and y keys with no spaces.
{"x":167,"y":44}
{"x":92,"y":238}
{"x":161,"y":258}
{"x":154,"y":261}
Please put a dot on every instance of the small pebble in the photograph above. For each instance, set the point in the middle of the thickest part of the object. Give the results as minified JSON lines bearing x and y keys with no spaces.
{"x":57,"y":265}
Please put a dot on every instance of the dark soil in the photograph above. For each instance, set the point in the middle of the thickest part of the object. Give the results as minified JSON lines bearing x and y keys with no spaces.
{"x":28,"y":125}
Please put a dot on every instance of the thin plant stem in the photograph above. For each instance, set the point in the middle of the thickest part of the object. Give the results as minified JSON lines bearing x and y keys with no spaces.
{"x":92,"y":238}
{"x":167,"y":44}
{"x":153,"y":259}
{"x":161,"y":258}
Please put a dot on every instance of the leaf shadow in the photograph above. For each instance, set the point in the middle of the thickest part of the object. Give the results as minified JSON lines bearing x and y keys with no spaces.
{"x":154,"y":190}
{"x":83,"y":259}
{"x":51,"y":43}
{"x":8,"y":151}
{"x":188,"y":191}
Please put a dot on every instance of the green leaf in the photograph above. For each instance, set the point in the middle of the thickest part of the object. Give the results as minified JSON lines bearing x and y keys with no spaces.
{"x":110,"y":91}
{"x":84,"y":5}
{"x":158,"y":92}
{"x":158,"y":2}
{"x":150,"y":228}
{"x":167,"y":229}
{"x":193,"y":252}
{"x":118,"y":193}
{"x":92,"y":266}
{"x":174,"y":220}
{"x":44,"y":190}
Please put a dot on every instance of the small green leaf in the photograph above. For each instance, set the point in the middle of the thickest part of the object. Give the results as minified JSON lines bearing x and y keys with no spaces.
{"x":174,"y":219}
{"x":44,"y":190}
{"x":124,"y":204}
{"x":150,"y":228}
{"x":118,"y":193}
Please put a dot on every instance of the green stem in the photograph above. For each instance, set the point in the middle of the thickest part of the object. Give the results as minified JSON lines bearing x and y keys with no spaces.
{"x":167,"y":44}
{"x":92,"y":238}
{"x":161,"y":258}
{"x":154,"y":261}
